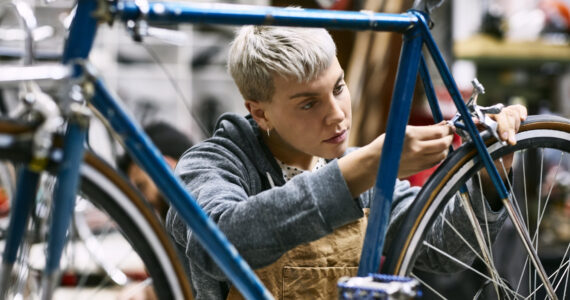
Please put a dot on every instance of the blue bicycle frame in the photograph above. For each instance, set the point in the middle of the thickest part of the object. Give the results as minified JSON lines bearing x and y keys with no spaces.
{"x":413,"y":26}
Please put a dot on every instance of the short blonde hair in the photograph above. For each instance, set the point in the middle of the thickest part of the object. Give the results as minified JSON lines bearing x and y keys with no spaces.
{"x":258,"y":53}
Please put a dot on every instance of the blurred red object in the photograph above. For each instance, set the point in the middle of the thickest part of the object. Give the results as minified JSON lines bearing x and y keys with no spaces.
{"x":557,"y":13}
{"x":335,"y":4}
{"x":4,"y":203}
{"x":421,"y":115}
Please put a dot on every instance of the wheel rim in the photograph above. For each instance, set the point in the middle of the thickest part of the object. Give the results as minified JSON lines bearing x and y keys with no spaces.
{"x":555,"y":181}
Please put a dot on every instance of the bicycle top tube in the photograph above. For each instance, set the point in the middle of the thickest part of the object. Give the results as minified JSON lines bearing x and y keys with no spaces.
{"x":235,"y":14}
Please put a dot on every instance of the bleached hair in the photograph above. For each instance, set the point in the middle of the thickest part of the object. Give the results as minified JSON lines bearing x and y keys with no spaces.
{"x":259,"y":53}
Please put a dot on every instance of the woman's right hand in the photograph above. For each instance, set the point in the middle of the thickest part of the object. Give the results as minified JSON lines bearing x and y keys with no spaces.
{"x":424,"y":147}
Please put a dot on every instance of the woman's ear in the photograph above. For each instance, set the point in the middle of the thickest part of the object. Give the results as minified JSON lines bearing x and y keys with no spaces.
{"x":257,"y":111}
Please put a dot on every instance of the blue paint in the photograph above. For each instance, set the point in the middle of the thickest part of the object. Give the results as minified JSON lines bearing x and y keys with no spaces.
{"x":82,"y":32}
{"x":430,"y":91}
{"x":148,"y":156}
{"x":232,"y":14}
{"x":462,"y":108}
{"x":20,"y":213}
{"x":391,"y":152}
{"x":64,"y":193}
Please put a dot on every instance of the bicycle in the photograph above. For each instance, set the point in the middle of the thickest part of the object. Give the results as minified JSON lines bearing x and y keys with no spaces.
{"x":63,"y":156}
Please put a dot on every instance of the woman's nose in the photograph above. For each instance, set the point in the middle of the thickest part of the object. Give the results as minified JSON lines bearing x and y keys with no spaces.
{"x":335,"y":112}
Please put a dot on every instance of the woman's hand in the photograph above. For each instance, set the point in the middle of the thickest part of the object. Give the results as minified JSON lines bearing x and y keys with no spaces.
{"x":508,"y":124}
{"x":509,"y":121}
{"x":424,"y":147}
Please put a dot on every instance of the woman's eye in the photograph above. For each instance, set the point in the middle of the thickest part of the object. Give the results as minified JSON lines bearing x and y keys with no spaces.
{"x":308,"y":105}
{"x":338,"y":89}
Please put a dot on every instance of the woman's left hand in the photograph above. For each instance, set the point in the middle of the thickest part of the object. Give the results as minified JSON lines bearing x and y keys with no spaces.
{"x":508,"y":124}
{"x":509,"y":121}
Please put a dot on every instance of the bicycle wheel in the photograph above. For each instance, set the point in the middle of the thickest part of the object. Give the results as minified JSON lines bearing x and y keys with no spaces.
{"x":116,"y":247}
{"x":539,"y":184}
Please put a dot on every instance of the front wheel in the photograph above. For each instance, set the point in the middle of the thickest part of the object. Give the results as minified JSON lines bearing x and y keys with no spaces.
{"x":539,"y":185}
{"x":116,"y":247}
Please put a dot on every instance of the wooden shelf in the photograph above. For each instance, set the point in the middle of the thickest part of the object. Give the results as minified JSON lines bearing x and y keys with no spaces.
{"x":483,"y":48}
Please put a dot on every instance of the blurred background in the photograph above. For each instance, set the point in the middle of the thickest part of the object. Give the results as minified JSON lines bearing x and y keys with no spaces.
{"x":518,"y":49}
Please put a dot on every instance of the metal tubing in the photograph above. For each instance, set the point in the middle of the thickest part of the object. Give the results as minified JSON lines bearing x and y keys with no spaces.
{"x":148,"y":156}
{"x":23,"y":202}
{"x":235,"y":14}
{"x":430,"y":91}
{"x":391,"y":152}
{"x":64,"y":193}
{"x":20,"y":213}
{"x":527,"y":243}
{"x":462,"y":108}
{"x":480,"y":237}
{"x":28,"y":22}
{"x":483,"y":154}
{"x":82,"y":32}
{"x":12,"y":75}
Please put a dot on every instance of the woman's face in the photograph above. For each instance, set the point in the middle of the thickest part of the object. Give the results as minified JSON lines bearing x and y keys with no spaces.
{"x":309,"y":119}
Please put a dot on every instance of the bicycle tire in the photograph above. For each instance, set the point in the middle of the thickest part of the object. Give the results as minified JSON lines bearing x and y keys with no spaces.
{"x":537,"y":132}
{"x":110,"y":192}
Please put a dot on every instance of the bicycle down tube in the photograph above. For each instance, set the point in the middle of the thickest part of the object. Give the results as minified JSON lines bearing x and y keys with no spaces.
{"x":142,"y":150}
{"x":413,"y":25}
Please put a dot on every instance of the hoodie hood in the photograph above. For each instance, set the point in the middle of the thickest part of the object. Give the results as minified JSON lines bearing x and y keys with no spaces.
{"x":245,"y":134}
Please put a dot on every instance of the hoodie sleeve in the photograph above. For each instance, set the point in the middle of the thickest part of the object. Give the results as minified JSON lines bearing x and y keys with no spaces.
{"x":262,"y":226}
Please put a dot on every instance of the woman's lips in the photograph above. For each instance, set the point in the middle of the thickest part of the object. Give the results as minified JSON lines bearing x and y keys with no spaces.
{"x":337,"y":139}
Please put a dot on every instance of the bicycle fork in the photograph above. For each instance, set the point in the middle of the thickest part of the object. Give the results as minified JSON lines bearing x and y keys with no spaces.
{"x":20,"y":212}
{"x":64,"y":195}
{"x":62,"y":210}
{"x":480,"y":113}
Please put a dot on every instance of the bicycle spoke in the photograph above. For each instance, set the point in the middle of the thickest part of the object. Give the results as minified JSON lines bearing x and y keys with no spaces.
{"x":524,"y":186}
{"x":137,"y":288}
{"x":538,"y":212}
{"x":461,"y":237}
{"x":541,"y":212}
{"x":471,"y":268}
{"x":522,"y":273}
{"x":537,"y":209}
{"x":428,"y":286}
{"x":565,"y":287}
{"x":528,"y":246}
{"x":524,"y":154}
{"x":468,"y":208}
{"x":562,"y":263}
{"x":107,"y":278}
{"x":514,"y":200}
{"x":483,"y":204}
{"x":539,"y":192}
{"x":512,"y":195}
{"x":563,"y":258}
{"x":93,"y":245}
{"x":564,"y":274}
{"x":542,"y":284}
{"x":490,"y":267}
{"x":535,"y":238}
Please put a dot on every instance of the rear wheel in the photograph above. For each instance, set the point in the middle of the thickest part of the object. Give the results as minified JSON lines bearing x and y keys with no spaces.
{"x":539,"y":185}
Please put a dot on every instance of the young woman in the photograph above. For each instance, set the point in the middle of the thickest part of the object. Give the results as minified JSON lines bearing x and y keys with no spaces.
{"x":281,"y":182}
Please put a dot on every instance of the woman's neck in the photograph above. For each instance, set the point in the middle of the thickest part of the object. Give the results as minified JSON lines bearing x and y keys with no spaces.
{"x":287,"y":154}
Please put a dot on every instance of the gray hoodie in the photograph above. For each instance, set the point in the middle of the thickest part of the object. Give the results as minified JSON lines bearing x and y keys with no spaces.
{"x":230,"y":176}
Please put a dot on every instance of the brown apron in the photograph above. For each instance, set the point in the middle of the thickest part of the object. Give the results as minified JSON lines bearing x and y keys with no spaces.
{"x":312,"y":270}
